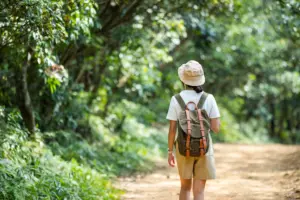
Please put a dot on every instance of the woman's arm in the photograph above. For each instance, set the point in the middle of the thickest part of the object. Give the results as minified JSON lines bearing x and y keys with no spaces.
{"x":215,"y":124}
{"x":172,"y":134}
{"x":171,"y":138}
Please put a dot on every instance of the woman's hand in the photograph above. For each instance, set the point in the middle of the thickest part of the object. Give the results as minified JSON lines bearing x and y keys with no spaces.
{"x":171,"y":159}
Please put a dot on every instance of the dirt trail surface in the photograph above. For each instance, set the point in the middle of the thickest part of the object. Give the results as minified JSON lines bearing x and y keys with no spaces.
{"x":244,"y":172}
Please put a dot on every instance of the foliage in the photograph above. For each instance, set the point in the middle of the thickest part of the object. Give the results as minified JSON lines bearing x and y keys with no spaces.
{"x":29,"y":170}
{"x":116,"y":153}
{"x":253,"y":131}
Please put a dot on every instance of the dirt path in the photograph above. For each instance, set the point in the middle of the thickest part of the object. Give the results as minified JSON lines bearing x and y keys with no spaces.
{"x":244,"y":172}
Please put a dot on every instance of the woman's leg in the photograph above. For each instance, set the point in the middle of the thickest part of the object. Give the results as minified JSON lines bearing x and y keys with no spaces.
{"x":185,"y":190}
{"x":198,"y":189}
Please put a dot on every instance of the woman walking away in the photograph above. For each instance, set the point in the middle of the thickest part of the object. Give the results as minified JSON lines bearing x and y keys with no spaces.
{"x":195,"y":113}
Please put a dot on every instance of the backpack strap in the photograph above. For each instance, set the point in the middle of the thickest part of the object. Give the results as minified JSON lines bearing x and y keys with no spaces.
{"x":189,"y":130}
{"x":203,"y":144}
{"x":202,"y":100}
{"x":180,"y":101}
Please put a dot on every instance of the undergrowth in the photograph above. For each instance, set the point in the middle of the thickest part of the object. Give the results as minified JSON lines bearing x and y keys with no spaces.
{"x":111,"y":153}
{"x":64,"y":165}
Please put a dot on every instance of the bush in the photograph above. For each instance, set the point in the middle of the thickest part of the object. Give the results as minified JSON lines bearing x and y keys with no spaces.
{"x":29,"y":170}
{"x":232,"y":131}
{"x":132,"y":148}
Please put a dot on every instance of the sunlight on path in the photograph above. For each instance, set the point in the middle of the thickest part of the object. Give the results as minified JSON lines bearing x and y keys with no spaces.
{"x":250,"y":172}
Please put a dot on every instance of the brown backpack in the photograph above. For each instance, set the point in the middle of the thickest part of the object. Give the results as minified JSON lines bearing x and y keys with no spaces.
{"x":193,"y":128}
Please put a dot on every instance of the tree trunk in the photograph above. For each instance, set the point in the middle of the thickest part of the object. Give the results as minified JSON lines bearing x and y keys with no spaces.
{"x":283,"y":117}
{"x":23,"y":97}
{"x":272,"y":122}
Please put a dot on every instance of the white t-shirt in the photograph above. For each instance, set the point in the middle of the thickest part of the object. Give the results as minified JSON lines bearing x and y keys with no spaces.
{"x":210,"y":104}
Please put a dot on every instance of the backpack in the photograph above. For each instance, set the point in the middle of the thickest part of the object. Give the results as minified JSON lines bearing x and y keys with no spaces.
{"x":193,"y":128}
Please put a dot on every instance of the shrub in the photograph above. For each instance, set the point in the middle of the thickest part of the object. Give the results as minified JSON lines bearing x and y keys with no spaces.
{"x":29,"y":170}
{"x":132,"y":148}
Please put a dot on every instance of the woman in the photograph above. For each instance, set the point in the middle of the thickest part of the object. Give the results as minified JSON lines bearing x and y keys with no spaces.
{"x":197,"y":168}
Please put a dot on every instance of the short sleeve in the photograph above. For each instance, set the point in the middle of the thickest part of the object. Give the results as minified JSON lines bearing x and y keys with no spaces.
{"x":172,"y":115}
{"x":214,"y":110}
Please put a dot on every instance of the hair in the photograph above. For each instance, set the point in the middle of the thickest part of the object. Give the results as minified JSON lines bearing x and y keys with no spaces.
{"x":197,"y":88}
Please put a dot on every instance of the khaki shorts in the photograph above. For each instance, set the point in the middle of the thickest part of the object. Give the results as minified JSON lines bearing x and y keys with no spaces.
{"x":202,"y":167}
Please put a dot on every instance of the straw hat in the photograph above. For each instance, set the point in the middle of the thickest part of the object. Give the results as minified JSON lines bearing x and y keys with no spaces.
{"x":191,"y":73}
